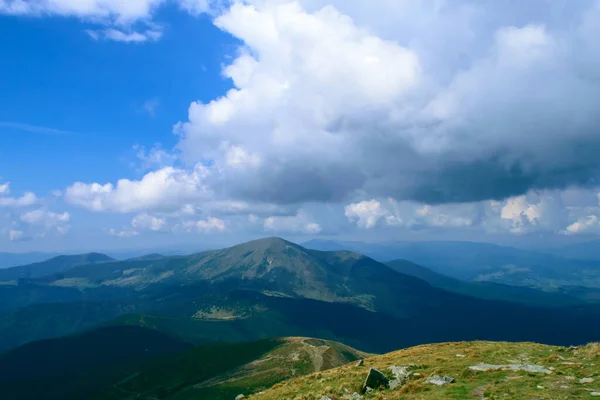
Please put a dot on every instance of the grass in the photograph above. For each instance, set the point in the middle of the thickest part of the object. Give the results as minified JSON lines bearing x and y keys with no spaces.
{"x":222,"y":371}
{"x":567,"y":365}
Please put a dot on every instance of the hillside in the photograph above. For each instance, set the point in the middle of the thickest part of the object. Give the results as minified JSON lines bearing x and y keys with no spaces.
{"x":479,"y":370}
{"x":74,"y":366}
{"x":52,"y":266}
{"x":123,"y":363}
{"x":223,"y":371}
{"x":491,"y":290}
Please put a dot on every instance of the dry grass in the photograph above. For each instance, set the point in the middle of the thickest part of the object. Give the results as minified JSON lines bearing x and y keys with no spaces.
{"x":568,"y":367}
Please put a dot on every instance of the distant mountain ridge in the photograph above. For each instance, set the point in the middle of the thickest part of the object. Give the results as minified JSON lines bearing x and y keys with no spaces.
{"x":8,"y":260}
{"x":51,"y":266}
{"x":472,"y":261}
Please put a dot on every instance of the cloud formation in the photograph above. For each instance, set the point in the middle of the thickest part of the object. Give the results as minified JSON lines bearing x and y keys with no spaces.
{"x":336,"y":110}
{"x":27,"y":199}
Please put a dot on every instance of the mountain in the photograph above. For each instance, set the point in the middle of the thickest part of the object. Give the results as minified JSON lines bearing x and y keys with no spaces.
{"x":77,"y":366}
{"x":490,"y":290}
{"x":14,"y":259}
{"x":472,"y":261}
{"x":578,"y":251}
{"x":51,"y":266}
{"x":477,"y":370}
{"x":272,"y":287}
{"x":123,"y":362}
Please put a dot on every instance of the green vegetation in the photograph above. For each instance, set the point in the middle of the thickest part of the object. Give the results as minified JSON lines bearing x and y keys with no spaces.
{"x":73,"y":367}
{"x":222,"y":371}
{"x":554,"y":373}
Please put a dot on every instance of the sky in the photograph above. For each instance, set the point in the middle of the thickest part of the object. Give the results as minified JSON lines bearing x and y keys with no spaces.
{"x":153,"y":123}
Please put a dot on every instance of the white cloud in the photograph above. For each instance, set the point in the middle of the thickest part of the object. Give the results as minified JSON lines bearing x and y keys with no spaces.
{"x":114,"y":10}
{"x":210,"y":224}
{"x":332,"y":107}
{"x":587,"y":224}
{"x":165,"y":189}
{"x":17,"y":236}
{"x":127,"y":37}
{"x":368,"y":213}
{"x":28,"y":199}
{"x":300,"y":223}
{"x":156,"y":157}
{"x":123,"y":233}
{"x":146,"y":221}
{"x":5,"y":189}
{"x":45,"y":218}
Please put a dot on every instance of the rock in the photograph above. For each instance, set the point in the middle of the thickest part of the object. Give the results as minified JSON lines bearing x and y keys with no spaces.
{"x":540,"y":387}
{"x":511,"y":367}
{"x":401,"y":375}
{"x":461,"y":355}
{"x":240,"y":397}
{"x":324,"y":398}
{"x":368,"y":390}
{"x":439,"y":380}
{"x":586,"y":380}
{"x":353,"y":396}
{"x":375,"y":379}
{"x":360,"y":363}
{"x":595,"y":394}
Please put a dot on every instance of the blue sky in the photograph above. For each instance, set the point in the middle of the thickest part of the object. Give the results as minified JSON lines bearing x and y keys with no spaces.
{"x":175,"y":122}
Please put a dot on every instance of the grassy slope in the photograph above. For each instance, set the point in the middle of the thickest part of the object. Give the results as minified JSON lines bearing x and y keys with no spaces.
{"x":222,"y":371}
{"x":72,"y":367}
{"x":568,"y":367}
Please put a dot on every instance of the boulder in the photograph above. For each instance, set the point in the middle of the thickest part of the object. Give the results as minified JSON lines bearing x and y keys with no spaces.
{"x":240,"y":397}
{"x":586,"y":380}
{"x":401,"y":375}
{"x":360,"y":363}
{"x":439,"y":380}
{"x":374,"y":380}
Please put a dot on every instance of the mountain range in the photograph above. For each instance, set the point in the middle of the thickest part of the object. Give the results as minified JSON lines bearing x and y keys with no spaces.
{"x":256,"y":291}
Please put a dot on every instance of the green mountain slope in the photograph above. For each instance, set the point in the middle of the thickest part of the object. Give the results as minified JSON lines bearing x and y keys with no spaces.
{"x":223,"y":371}
{"x":123,"y":363}
{"x":478,"y":370}
{"x":74,"y":367}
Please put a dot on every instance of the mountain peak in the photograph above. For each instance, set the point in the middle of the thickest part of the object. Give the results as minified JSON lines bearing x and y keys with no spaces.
{"x":271,"y":243}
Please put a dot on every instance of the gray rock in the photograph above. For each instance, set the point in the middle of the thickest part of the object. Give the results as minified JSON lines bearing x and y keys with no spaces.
{"x":439,"y":380}
{"x":240,"y":397}
{"x":586,"y":380}
{"x":353,"y":396}
{"x":375,"y":379}
{"x":401,"y":375}
{"x":360,"y":363}
{"x":595,"y":394}
{"x":511,"y":367}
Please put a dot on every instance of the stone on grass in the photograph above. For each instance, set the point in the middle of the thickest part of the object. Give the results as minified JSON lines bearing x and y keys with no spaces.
{"x":401,"y":375}
{"x":586,"y":380}
{"x":353,"y":396}
{"x":240,"y":397}
{"x":360,"y":363}
{"x":439,"y":380}
{"x":374,"y":380}
{"x":595,"y":394}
